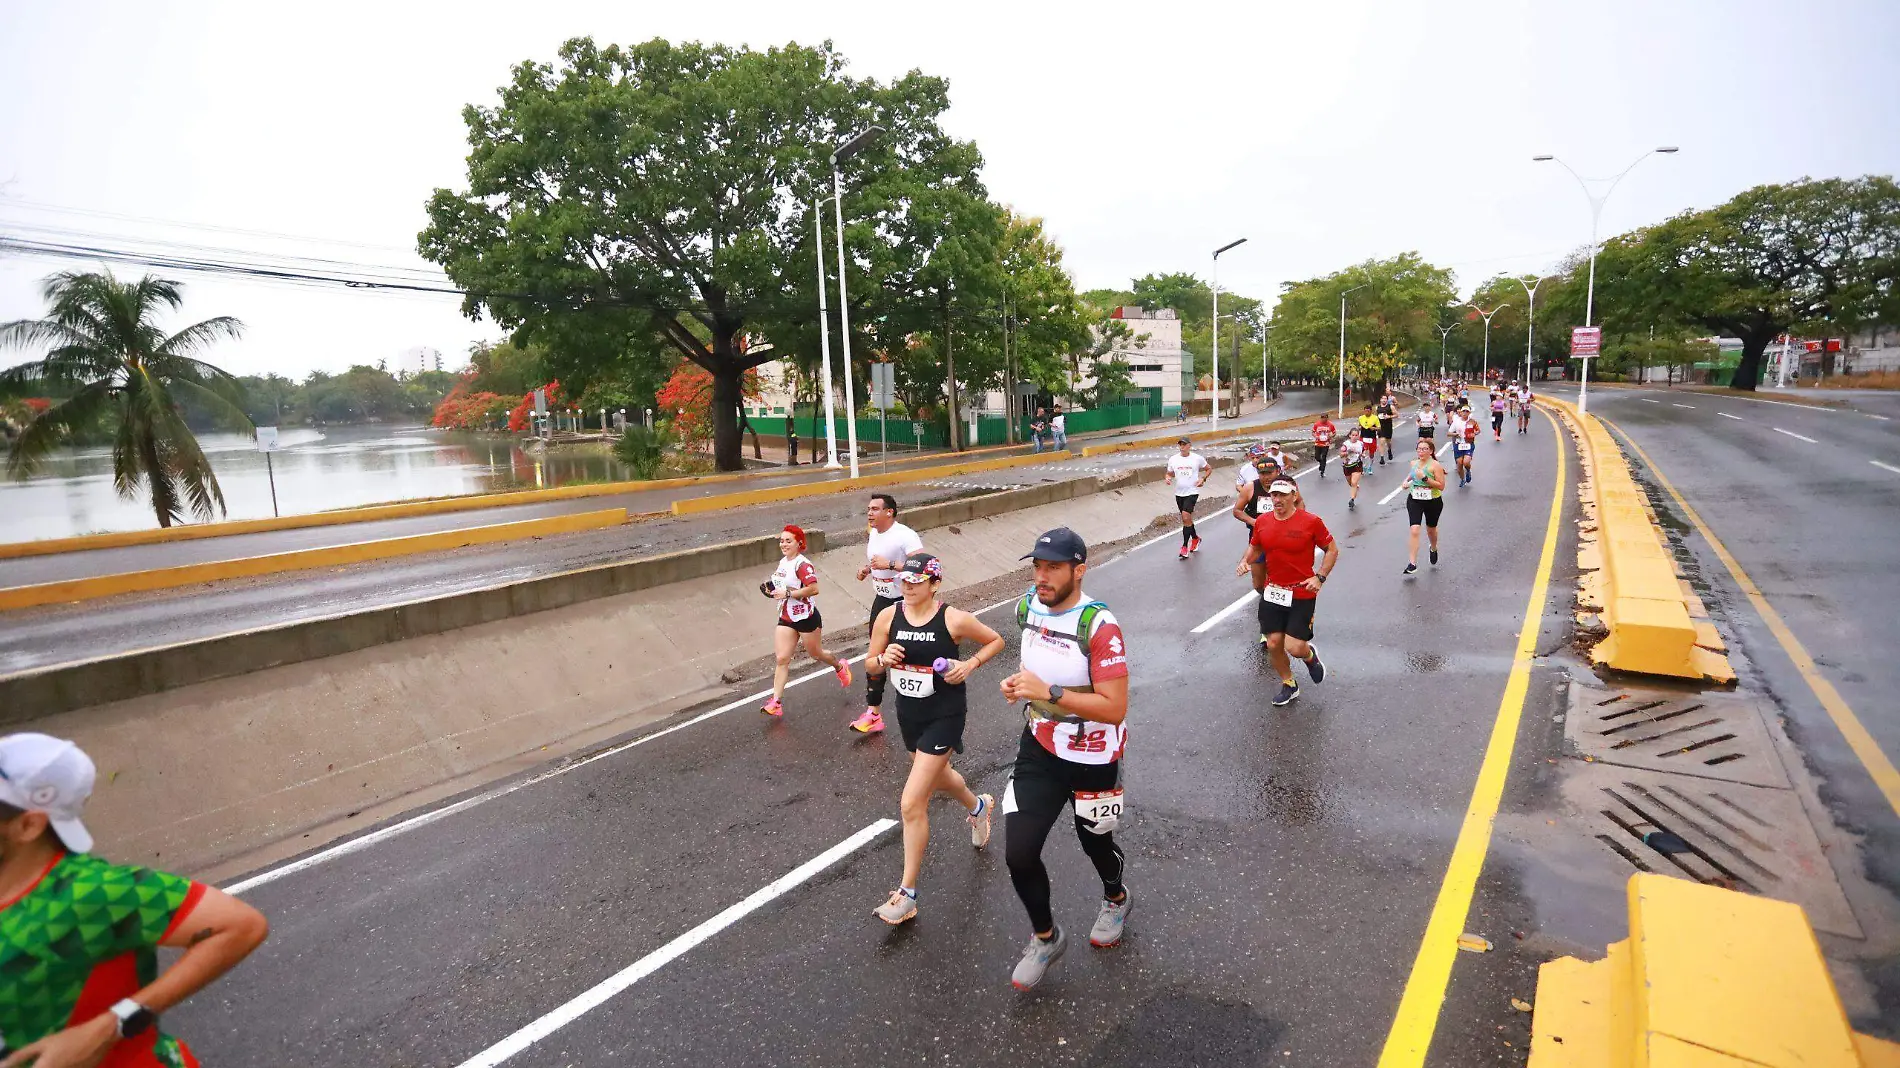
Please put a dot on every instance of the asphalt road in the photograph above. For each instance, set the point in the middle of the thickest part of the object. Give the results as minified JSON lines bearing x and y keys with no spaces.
{"x":1807,"y":501}
{"x":37,"y":569}
{"x":1282,"y":862}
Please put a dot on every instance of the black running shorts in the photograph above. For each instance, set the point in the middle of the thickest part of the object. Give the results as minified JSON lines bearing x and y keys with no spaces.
{"x":943,"y":734}
{"x":1425,"y":512}
{"x":1294,"y":621}
{"x":1186,"y":502}
{"x":1425,"y":433}
{"x":879,"y":604}
{"x":1385,"y":428}
{"x":804,"y":626}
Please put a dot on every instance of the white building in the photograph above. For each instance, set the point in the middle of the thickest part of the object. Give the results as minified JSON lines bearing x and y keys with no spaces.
{"x":1152,"y":351}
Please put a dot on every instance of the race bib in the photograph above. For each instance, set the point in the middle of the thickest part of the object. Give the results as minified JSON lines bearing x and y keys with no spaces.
{"x":1421,"y":493}
{"x":913,"y":682}
{"x":1279,"y":595}
{"x":797,"y":611}
{"x":887,"y":588}
{"x":1100,"y":810}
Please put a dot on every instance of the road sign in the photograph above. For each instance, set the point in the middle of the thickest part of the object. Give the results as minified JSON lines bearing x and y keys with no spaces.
{"x":1027,"y":389}
{"x":1585,"y":341}
{"x":541,"y":402}
{"x":267,"y":439}
{"x":883,"y":385}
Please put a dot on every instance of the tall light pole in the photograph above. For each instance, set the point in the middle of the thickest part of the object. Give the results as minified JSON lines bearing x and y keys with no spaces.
{"x":1266,"y":327}
{"x":1482,"y":378}
{"x":1530,"y":330}
{"x":1444,"y":332}
{"x":824,"y":337}
{"x":1213,"y":410}
{"x":1596,"y":216}
{"x":1342,"y":346}
{"x":839,"y":155}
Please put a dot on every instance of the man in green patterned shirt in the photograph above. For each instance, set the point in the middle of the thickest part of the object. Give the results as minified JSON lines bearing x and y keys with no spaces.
{"x":79,"y":978}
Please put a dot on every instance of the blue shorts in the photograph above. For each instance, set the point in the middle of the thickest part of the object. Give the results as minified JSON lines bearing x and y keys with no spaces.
{"x":1461,"y":450}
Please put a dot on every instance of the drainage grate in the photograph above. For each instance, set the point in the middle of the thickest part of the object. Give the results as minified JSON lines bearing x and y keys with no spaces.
{"x":1711,"y":735}
{"x":1742,"y":837}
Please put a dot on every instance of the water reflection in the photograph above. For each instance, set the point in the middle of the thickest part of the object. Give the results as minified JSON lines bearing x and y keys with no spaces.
{"x":316,"y":470}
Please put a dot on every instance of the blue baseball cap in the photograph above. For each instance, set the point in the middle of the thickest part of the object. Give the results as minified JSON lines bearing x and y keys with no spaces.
{"x":1062,"y":546}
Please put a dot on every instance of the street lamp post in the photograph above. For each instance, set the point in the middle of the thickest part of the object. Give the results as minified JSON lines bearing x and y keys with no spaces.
{"x":1530,"y":329}
{"x":1596,"y":216}
{"x":824,"y":338}
{"x":1342,"y":346}
{"x":1213,"y":326}
{"x":1485,"y":375}
{"x":839,"y":155}
{"x":1444,"y":332}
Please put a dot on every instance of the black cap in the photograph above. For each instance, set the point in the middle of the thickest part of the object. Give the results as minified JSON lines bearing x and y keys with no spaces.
{"x":921,"y":563}
{"x":1062,"y":546}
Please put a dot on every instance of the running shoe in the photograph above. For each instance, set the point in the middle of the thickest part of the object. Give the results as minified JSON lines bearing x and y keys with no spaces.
{"x":1263,"y":639}
{"x":899,"y":908}
{"x":1184,"y":552}
{"x":772,"y":707}
{"x":980,"y":820}
{"x":1434,"y":557}
{"x":843,"y":671}
{"x":1410,"y":569}
{"x":1351,"y":504}
{"x":1314,"y":666}
{"x":872,"y":722}
{"x":1037,"y":957}
{"x":1107,"y":931}
{"x":1194,"y":546}
{"x":1289,"y":692}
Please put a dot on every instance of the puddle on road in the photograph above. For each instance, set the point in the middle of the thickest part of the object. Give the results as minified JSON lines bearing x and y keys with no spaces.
{"x":1426,"y":663}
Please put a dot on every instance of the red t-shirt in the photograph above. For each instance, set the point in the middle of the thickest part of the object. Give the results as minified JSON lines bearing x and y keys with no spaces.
{"x":1289,"y":544}
{"x":1323,"y":432}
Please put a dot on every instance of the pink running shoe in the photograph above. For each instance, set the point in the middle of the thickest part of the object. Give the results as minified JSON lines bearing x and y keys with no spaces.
{"x":843,"y":671}
{"x":872,"y":722}
{"x":772,"y":707}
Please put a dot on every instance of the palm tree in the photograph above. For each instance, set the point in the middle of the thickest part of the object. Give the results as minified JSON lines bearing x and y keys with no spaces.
{"x":116,"y":369}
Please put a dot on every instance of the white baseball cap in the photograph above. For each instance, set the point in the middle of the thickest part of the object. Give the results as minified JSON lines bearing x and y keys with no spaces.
{"x":40,"y":773}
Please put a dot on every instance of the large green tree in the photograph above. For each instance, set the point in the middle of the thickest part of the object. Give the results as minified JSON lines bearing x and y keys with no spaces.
{"x":1804,"y":255}
{"x":1393,"y":309}
{"x":654,"y":202}
{"x":112,"y":364}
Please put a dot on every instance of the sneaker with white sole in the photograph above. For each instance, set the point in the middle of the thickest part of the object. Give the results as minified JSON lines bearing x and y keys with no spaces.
{"x":1107,"y":931}
{"x":1289,"y":693}
{"x":1037,"y":957}
{"x":1315,"y":667}
{"x":899,"y":908}
{"x":980,"y":820}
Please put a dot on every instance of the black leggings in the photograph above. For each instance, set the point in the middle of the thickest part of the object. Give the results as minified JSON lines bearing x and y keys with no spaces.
{"x":874,"y":684}
{"x":1319,"y":453}
{"x":1043,"y":783}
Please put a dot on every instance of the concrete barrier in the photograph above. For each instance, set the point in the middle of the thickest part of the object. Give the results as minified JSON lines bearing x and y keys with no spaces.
{"x":744,"y":498}
{"x":206,"y":770}
{"x":1629,"y":575}
{"x":1708,"y":977}
{"x":162,"y":578}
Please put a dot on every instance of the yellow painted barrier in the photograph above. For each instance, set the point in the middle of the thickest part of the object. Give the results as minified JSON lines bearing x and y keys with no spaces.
{"x":694,"y":505}
{"x":1629,"y":573}
{"x":86,"y":589}
{"x":1708,"y":978}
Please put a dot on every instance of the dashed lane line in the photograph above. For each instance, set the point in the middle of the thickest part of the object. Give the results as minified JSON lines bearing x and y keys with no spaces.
{"x":1885,"y":467}
{"x":1737,"y":418}
{"x":1792,"y":434}
{"x":1681,"y":405}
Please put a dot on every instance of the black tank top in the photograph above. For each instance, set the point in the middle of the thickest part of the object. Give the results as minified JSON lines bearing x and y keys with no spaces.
{"x":1259,"y":495}
{"x":922,"y":646}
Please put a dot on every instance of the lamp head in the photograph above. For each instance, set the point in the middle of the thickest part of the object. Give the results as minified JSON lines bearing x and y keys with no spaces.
{"x":1667,"y":149}
{"x":1542,"y":159}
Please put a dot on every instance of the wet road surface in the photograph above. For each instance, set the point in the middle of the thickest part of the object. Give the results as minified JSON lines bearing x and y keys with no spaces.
{"x":1282,"y":861}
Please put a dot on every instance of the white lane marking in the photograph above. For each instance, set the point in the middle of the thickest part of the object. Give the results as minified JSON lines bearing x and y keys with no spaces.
{"x":1737,"y":418}
{"x":603,"y":991}
{"x":1682,"y":405}
{"x":1210,"y":622}
{"x":1871,"y":415}
{"x":1885,"y":467}
{"x":1792,"y":434}
{"x":1651,"y":400}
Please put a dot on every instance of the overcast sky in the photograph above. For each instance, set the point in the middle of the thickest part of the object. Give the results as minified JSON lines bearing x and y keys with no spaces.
{"x":1345,"y":131}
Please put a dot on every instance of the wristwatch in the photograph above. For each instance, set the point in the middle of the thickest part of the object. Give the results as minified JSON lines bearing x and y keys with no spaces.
{"x":1055,"y":693}
{"x":1320,"y":577}
{"x":133,"y":1017}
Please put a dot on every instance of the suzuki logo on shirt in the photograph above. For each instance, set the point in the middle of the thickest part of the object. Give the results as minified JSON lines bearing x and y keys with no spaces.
{"x":1115,"y":644}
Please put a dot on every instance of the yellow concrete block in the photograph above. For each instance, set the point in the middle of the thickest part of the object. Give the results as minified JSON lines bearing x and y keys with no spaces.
{"x":1583,"y":1017}
{"x":1730,"y":973}
{"x":1654,"y":637}
{"x":1877,"y":1052}
{"x":1666,"y":1052}
{"x":1712,"y":665}
{"x":1707,"y":637}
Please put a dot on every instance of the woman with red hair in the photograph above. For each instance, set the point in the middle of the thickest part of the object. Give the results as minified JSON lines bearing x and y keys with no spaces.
{"x":795,"y":587}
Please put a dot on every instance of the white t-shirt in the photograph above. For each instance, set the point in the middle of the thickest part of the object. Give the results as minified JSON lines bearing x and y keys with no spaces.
{"x":1278,"y":456}
{"x":1427,"y":417}
{"x":1246,"y":474}
{"x":1185,"y":472}
{"x":893,"y":544}
{"x":1056,"y":423}
{"x":795,"y":574}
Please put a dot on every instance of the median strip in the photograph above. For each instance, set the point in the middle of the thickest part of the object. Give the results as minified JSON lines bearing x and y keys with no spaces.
{"x":743,"y":498}
{"x":85,"y":589}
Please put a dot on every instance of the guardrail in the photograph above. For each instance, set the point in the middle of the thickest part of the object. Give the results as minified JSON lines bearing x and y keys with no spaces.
{"x":1708,"y":978}
{"x":1629,"y":575}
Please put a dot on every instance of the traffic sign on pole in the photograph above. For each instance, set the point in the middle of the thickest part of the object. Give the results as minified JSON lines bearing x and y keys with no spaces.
{"x":1585,"y":341}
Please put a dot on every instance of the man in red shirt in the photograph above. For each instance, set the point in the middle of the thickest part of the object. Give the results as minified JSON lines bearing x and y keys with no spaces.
{"x":1323,"y":432}
{"x":1284,"y":540}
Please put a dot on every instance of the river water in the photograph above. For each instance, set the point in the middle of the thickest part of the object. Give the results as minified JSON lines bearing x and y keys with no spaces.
{"x":316,"y":470}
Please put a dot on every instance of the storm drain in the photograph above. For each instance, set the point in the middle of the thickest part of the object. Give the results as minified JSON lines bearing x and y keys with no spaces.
{"x":1709,"y":735}
{"x":1749,"y":838}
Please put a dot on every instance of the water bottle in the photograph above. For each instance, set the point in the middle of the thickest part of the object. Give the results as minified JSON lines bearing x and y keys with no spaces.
{"x":940,"y":665}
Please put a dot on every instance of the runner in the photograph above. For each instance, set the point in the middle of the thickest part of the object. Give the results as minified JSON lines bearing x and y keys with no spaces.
{"x":795,"y":587}
{"x":917,"y":641}
{"x":1425,"y":501}
{"x":1323,"y":432}
{"x":1388,"y":418}
{"x":1427,"y":420}
{"x":1369,"y":429}
{"x":1188,"y":471}
{"x":1283,"y":544}
{"x":1074,"y":676}
{"x":889,"y":543}
{"x":1465,"y":444}
{"x":1524,"y":410}
{"x":1279,"y":457}
{"x":1245,"y":473}
{"x":1352,"y":456}
{"x":79,"y":975}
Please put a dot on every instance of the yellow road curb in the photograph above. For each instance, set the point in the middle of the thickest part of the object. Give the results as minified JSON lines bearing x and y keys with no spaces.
{"x":86,"y":589}
{"x":743,"y":498}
